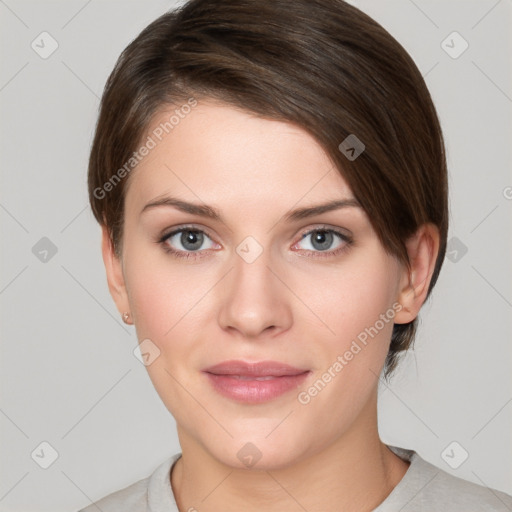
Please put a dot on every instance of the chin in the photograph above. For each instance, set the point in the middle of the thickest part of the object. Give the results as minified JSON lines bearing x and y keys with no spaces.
{"x":255,"y":453}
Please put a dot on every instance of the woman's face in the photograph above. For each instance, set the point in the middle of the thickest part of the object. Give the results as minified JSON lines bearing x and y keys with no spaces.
{"x":255,"y":284}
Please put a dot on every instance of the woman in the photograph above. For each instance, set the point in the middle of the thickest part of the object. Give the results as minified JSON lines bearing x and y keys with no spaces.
{"x":271,"y":183}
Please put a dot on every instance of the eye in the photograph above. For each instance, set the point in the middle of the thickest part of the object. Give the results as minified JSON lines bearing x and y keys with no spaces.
{"x":186,"y":241}
{"x":322,"y":240}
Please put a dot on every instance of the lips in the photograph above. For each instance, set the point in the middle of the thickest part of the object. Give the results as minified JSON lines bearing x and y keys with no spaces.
{"x":254,"y":382}
{"x":262,"y":369}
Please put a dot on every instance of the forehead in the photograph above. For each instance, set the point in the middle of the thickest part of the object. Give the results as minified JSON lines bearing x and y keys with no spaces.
{"x":218,"y":154}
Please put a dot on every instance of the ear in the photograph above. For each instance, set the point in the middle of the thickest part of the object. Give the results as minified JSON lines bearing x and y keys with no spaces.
{"x":422,"y":249}
{"x":114,"y":270}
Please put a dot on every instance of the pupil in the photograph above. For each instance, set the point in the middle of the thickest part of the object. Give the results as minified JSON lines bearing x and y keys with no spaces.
{"x":191,"y":237}
{"x":323,"y":239}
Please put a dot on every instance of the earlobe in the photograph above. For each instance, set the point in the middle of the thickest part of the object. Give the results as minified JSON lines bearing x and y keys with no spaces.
{"x":114,"y":271}
{"x":422,"y":249}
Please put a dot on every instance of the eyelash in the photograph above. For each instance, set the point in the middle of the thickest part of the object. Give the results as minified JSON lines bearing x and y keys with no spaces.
{"x":199,"y":254}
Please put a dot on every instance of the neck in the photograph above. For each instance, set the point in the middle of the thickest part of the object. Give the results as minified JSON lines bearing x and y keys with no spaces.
{"x":354,"y":473}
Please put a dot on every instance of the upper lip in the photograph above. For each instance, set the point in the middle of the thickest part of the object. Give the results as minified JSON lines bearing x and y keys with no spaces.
{"x":260,"y":369}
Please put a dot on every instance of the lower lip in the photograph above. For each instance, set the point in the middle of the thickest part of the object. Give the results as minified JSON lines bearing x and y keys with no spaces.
{"x":255,"y":391}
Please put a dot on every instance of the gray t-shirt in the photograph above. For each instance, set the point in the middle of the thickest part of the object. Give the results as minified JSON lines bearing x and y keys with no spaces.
{"x":424,"y":488}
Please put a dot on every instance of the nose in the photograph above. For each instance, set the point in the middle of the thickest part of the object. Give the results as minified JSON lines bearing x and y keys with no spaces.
{"x":254,"y":300}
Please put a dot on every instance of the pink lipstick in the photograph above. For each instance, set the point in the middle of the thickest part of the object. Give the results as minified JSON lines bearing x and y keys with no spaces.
{"x":254,"y":382}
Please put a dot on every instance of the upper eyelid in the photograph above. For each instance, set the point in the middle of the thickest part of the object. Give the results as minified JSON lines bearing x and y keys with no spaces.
{"x":186,"y":227}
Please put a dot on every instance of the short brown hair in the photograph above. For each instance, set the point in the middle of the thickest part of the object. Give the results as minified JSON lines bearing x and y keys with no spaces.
{"x":320,"y":64}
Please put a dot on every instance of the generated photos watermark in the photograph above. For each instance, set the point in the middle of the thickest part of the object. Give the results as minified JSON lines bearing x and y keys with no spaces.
{"x":152,"y":141}
{"x":305,"y":397}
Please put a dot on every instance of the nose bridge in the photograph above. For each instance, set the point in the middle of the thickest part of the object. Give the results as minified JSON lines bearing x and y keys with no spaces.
{"x":253,"y":299}
{"x":252,"y":265}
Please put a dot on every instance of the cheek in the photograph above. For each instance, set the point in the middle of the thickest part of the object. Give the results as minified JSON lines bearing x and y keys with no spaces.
{"x":356,"y":303}
{"x":164,"y":293}
{"x":350,"y":298}
{"x":349,"y":363}
{"x":172,"y":301}
{"x":168,"y":310}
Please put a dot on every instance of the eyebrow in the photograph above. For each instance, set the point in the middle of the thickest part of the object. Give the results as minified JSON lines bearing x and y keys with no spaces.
{"x":212,"y":213}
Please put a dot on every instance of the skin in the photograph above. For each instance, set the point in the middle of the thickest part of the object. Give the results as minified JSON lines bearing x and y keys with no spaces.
{"x":295,"y":303}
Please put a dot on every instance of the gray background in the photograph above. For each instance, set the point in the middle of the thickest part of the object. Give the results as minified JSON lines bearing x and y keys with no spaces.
{"x":69,"y":377}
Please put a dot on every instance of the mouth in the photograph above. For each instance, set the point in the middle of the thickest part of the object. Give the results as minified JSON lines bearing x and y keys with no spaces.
{"x":254,"y":382}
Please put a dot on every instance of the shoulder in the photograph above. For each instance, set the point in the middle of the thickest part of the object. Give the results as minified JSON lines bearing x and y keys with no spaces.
{"x":427,"y":488}
{"x":129,"y":499}
{"x":140,"y":495}
{"x":458,"y":494}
